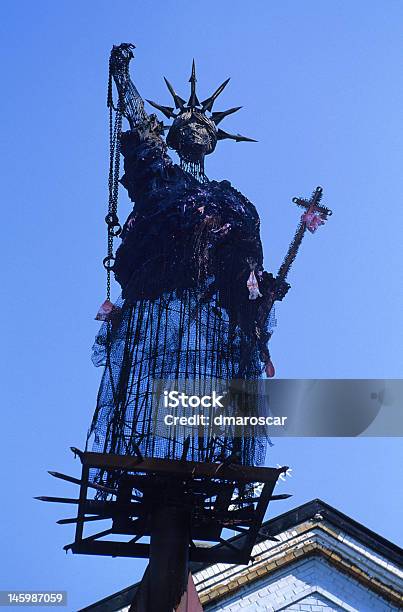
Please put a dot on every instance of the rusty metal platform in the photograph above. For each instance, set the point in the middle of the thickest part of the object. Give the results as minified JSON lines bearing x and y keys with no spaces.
{"x":211,"y":497}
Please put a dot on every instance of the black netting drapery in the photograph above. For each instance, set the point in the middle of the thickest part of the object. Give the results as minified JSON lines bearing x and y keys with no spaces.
{"x":172,"y":338}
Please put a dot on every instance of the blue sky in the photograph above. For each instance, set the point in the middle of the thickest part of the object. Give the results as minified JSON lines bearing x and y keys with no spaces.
{"x":321,"y":86}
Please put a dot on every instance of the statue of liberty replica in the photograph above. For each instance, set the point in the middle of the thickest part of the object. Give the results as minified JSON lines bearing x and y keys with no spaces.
{"x":196,"y":300}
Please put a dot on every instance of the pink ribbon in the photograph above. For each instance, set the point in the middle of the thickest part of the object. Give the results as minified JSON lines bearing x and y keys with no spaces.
{"x":253,"y":286}
{"x":106,"y":311}
{"x":312,"y":221}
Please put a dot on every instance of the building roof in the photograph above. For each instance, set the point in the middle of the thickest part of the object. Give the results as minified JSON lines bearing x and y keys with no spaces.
{"x":314,"y":528}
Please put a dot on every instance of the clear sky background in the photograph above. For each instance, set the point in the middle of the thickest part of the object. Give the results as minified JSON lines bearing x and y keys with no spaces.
{"x":321,"y":86}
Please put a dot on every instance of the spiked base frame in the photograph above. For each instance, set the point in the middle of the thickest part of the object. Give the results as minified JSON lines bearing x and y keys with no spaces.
{"x":211,"y":498}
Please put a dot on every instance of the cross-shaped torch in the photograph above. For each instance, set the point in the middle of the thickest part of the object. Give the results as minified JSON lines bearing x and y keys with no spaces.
{"x":314,"y":216}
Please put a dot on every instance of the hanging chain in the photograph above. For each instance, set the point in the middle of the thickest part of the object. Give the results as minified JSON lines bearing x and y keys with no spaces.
{"x":111,"y":219}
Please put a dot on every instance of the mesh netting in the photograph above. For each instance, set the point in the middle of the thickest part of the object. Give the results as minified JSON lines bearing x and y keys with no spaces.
{"x":172,"y":338}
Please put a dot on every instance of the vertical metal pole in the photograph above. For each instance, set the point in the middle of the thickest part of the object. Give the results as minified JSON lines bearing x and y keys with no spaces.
{"x":169,"y":558}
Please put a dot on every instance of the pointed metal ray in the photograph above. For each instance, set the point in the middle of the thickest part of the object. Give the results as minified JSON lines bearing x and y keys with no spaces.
{"x":168,"y":111}
{"x":84,"y":519}
{"x":193,"y":101}
{"x":59,"y":500}
{"x":207,"y":104}
{"x":280,"y":496}
{"x":90,"y":485}
{"x":179,"y":102}
{"x":221,"y":135}
{"x":65,"y":477}
{"x":219,"y":116}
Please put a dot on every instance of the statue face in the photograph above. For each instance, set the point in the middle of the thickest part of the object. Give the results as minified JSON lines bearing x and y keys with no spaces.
{"x":192,"y":135}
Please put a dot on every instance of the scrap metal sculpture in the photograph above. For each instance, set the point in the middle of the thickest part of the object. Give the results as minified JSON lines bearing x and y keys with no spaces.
{"x":195,"y":297}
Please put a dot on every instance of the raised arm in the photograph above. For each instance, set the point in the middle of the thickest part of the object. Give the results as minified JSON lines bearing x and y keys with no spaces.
{"x":130,"y":102}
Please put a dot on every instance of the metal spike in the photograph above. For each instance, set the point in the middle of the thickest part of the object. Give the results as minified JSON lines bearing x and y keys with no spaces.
{"x":179,"y":102}
{"x":280,"y":496}
{"x":168,"y":111}
{"x":207,"y":104}
{"x":59,"y":500}
{"x":221,"y":135}
{"x":84,"y":519}
{"x":65,"y":477}
{"x":91,"y":485}
{"x":193,"y":101}
{"x":219,"y":116}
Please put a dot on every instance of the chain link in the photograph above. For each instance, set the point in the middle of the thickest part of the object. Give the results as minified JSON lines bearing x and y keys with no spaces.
{"x":114,"y":228}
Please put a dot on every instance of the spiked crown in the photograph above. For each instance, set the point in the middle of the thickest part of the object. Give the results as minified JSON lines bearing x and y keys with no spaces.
{"x":193,"y":134}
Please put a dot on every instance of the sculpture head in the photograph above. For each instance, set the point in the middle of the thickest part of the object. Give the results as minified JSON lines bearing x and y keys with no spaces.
{"x":193,"y":134}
